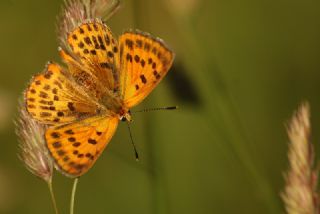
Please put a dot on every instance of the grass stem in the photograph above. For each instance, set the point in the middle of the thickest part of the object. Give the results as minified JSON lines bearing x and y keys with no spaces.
{"x":73,"y":193}
{"x":53,"y":198}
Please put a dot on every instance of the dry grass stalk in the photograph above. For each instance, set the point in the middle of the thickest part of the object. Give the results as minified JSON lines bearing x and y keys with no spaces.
{"x":300,"y":196}
{"x":33,"y":151}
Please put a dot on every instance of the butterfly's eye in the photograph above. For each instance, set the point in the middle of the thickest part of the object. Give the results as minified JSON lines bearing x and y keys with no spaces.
{"x":126,"y":117}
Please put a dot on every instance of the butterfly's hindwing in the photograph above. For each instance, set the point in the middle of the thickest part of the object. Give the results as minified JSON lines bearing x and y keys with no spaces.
{"x":75,"y":147}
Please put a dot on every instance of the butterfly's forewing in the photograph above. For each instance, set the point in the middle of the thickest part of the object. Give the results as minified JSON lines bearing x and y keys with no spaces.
{"x":75,"y":147}
{"x":144,"y":62}
{"x":52,"y":97}
{"x":94,"y":58}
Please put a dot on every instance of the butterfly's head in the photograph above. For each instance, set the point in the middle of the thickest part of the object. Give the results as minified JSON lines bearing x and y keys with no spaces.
{"x":126,"y":116}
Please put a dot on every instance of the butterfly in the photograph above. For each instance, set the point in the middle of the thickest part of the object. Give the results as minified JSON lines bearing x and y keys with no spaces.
{"x":104,"y":78}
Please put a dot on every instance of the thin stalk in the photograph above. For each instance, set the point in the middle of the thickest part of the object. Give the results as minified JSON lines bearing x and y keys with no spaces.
{"x":158,"y":202}
{"x":73,"y":194}
{"x":53,"y":198}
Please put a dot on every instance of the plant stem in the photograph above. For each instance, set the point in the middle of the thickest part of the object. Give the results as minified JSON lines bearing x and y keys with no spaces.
{"x":53,"y":198}
{"x":73,"y":193}
{"x":158,"y":203}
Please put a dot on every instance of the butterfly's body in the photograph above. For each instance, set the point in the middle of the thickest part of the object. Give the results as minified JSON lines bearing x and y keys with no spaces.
{"x":114,"y":104}
{"x":108,"y":104}
{"x":103,"y":80}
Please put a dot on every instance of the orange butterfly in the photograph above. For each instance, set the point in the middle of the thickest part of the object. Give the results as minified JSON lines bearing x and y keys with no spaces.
{"x":85,"y":102}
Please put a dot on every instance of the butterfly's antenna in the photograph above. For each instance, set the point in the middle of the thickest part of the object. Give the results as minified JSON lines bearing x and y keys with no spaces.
{"x":134,"y":147}
{"x":156,"y":109}
{"x":146,"y":110}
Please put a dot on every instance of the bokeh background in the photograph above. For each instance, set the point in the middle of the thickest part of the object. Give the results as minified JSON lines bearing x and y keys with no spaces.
{"x":241,"y":69}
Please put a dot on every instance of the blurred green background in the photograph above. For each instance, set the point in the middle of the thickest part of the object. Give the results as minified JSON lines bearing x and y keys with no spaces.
{"x":241,"y":69}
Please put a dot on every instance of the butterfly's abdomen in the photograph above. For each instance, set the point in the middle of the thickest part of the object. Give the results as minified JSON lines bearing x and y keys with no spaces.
{"x":112,"y":103}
